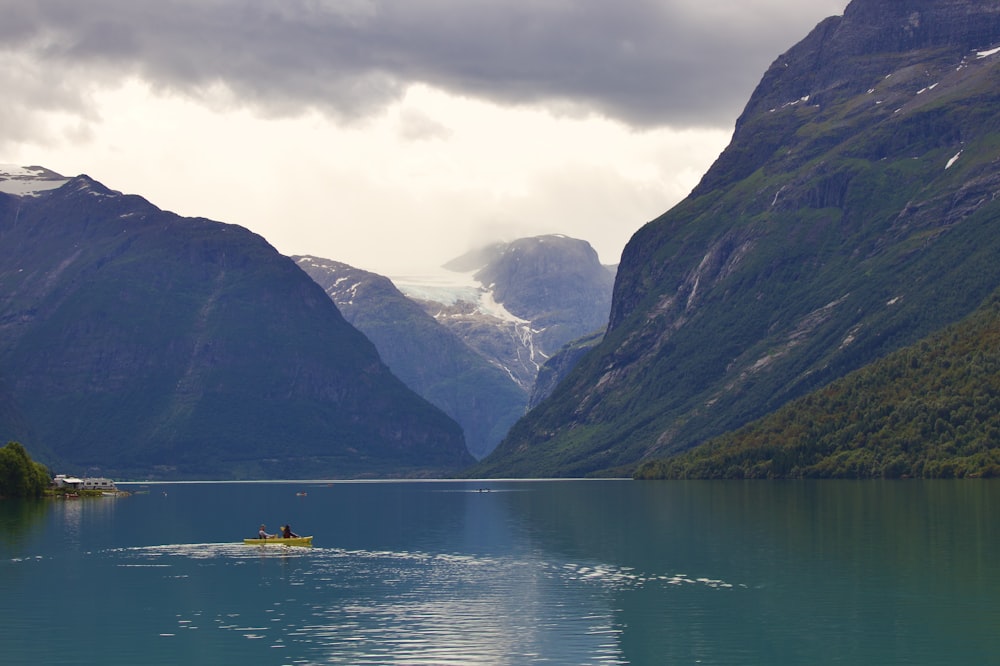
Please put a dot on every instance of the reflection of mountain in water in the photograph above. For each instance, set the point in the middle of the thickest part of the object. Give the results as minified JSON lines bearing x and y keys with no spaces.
{"x":18,"y":517}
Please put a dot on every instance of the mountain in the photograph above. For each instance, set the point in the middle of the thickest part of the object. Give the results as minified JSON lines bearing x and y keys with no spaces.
{"x":427,"y":356}
{"x":555,"y":282}
{"x":474,"y":339}
{"x":559,"y":366}
{"x":13,"y":424}
{"x":139,"y":343}
{"x":854,"y":212}
{"x":518,"y":303}
{"x":930,"y":410}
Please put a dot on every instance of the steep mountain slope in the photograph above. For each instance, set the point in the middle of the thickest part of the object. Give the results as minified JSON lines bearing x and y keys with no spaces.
{"x":854,"y":212}
{"x":141,"y":343}
{"x":560,"y":365}
{"x":555,"y":282}
{"x":428,"y":357}
{"x":929,"y":410}
{"x":520,"y":302}
{"x":13,"y":425}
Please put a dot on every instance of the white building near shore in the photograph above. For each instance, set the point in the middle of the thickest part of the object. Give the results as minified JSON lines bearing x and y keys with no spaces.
{"x":88,"y":483}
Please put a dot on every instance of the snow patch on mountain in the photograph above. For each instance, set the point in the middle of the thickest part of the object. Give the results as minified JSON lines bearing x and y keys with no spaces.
{"x":451,"y":287}
{"x":489,"y":306}
{"x":458,"y":300}
{"x":28,"y":181}
{"x":444,"y":286}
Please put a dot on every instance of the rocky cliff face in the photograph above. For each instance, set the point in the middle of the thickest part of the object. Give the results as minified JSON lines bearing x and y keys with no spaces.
{"x":140,"y":343}
{"x":427,"y":356}
{"x":523,"y":301}
{"x":855,"y":211}
{"x":556,"y":283}
{"x":559,"y":366}
{"x":846,"y":57}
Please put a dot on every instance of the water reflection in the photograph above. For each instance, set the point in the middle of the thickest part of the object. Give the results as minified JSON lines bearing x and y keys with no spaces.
{"x":83,"y":515}
{"x":897,"y":572}
{"x":17,"y":518}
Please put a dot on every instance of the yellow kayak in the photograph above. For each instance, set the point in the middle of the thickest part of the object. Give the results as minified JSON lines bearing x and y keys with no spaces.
{"x":278,"y":541}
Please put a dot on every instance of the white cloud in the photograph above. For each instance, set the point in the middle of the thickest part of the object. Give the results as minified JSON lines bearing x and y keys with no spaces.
{"x":367,"y":195}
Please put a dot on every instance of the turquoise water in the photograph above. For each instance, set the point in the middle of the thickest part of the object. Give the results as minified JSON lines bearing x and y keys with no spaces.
{"x":564,"y":572}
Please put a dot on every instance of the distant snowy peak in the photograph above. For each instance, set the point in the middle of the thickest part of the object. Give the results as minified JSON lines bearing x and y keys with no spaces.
{"x":29,"y":181}
{"x":323,"y":264}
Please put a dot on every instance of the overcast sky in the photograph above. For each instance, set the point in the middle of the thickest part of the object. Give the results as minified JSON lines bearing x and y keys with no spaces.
{"x":391,"y":135}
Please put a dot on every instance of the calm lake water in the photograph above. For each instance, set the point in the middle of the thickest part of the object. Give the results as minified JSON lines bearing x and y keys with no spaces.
{"x":547,"y":572}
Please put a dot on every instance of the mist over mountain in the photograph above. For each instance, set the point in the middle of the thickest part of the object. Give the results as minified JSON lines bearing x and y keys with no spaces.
{"x":139,"y":343}
{"x":854,"y":212}
{"x":556,"y":282}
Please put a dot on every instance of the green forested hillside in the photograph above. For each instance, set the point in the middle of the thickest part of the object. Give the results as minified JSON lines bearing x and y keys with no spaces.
{"x":929,"y":410}
{"x":854,"y":213}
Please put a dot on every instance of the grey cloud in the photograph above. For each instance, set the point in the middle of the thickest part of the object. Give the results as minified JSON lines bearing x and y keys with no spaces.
{"x":645,"y":62}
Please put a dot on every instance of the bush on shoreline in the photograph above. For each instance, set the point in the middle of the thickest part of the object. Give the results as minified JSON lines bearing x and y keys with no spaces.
{"x":20,"y":476}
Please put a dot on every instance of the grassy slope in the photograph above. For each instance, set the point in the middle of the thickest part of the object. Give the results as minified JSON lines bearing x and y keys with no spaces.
{"x":929,"y":410}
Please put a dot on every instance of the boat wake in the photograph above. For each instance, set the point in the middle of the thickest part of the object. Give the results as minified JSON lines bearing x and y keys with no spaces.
{"x":605,"y":575}
{"x":208,"y":551}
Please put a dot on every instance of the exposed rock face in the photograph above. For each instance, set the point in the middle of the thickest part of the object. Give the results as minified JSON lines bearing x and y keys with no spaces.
{"x":559,"y":366}
{"x":556,"y":283}
{"x":536,"y":295}
{"x":141,"y":343}
{"x":856,"y":210}
{"x":846,"y":56}
{"x":881,"y":26}
{"x":427,"y":356}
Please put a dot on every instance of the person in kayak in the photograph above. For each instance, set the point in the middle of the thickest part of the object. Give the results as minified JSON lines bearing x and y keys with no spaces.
{"x":287,"y":533}
{"x":262,"y":533}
